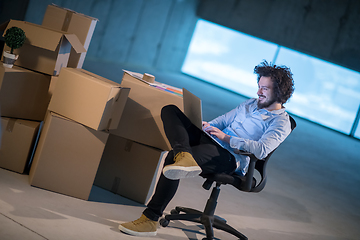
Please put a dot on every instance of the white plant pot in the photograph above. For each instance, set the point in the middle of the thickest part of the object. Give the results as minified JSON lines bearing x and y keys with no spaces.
{"x":9,"y":59}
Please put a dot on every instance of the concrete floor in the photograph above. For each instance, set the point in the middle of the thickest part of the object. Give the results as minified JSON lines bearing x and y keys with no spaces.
{"x":312,"y":191}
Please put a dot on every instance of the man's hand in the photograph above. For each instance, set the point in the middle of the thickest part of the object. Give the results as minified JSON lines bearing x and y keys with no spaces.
{"x":216,"y":132}
{"x":205,"y":125}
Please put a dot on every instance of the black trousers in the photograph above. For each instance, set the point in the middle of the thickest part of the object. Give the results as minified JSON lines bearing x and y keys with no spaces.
{"x":186,"y":137}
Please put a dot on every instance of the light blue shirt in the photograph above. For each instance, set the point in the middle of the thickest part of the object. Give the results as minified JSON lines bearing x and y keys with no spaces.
{"x":254,"y":130}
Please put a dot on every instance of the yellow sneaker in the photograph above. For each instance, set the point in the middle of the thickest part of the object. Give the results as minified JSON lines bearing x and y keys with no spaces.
{"x":141,"y":227}
{"x":185,"y":166}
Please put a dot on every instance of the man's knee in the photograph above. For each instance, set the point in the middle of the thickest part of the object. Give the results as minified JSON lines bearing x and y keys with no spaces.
{"x":168,"y":109}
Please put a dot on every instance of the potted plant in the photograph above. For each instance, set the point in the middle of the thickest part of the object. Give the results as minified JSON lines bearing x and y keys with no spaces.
{"x":14,"y":38}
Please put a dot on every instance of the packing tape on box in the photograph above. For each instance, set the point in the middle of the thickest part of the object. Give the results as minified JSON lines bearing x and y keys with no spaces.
{"x":148,"y":78}
{"x":10,"y":125}
{"x":67,"y":21}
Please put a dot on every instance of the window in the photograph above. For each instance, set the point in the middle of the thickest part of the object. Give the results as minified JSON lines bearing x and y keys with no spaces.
{"x":324,"y":93}
{"x":226,"y":57}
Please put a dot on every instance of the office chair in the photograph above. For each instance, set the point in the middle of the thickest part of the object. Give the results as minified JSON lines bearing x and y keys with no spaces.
{"x":245,"y":183}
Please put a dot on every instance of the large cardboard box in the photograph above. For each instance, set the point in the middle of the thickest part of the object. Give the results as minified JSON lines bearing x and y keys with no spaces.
{"x":23,"y":93}
{"x":141,"y":120}
{"x":72,"y":22}
{"x":130,"y":169}
{"x":45,"y":50}
{"x":17,"y":143}
{"x":88,"y":99}
{"x":67,"y":157}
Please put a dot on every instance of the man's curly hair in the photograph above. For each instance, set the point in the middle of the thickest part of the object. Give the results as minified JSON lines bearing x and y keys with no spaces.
{"x":283,"y":83}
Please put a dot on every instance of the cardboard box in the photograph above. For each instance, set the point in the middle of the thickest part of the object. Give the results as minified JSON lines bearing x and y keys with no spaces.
{"x":72,"y":22}
{"x":17,"y":142}
{"x":45,"y":50}
{"x":88,"y":99}
{"x":141,"y":121}
{"x":67,"y":157}
{"x":23,"y":93}
{"x":130,"y":169}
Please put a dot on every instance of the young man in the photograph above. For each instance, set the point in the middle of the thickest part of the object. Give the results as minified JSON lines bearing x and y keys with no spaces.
{"x":256,"y":125}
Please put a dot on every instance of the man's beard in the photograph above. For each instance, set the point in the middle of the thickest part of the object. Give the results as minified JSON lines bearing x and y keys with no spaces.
{"x":265,"y":104}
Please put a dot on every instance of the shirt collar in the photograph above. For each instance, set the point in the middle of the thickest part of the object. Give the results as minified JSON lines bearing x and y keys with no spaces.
{"x":265,"y":114}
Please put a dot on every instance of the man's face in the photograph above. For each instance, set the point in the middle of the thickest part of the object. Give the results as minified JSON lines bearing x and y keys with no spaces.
{"x":265,"y":93}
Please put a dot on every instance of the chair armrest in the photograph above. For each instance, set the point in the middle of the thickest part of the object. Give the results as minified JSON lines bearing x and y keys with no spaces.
{"x":247,"y":185}
{"x":242,"y":152}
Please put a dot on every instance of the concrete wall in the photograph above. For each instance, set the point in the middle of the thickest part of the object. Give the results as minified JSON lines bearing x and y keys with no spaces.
{"x":150,"y":33}
{"x":327,"y":29}
{"x":156,"y":33}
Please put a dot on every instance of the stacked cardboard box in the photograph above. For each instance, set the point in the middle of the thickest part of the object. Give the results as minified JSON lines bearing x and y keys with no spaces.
{"x":18,"y":140}
{"x":67,"y":20}
{"x":25,"y":88}
{"x":89,"y":118}
{"x":141,"y":120}
{"x":136,"y":149}
{"x":45,"y":50}
{"x":23,"y":93}
{"x":83,"y":107}
{"x":24,"y":99}
{"x":130,"y":169}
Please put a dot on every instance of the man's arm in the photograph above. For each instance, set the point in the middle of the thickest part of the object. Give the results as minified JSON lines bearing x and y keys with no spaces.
{"x":271,"y":139}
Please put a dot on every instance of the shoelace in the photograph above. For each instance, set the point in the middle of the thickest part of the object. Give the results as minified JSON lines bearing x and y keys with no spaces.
{"x":140,"y":220}
{"x":179,"y":154}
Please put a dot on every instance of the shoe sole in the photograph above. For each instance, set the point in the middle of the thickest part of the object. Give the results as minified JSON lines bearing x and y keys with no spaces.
{"x":178,"y":172}
{"x":134,"y":233}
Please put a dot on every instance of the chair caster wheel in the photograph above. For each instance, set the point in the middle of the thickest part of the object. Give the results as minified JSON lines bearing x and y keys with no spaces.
{"x":164,"y":222}
{"x":174,"y":211}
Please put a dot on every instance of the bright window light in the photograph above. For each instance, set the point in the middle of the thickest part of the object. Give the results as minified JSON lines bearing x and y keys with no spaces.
{"x":226,"y":57}
{"x":324,"y":93}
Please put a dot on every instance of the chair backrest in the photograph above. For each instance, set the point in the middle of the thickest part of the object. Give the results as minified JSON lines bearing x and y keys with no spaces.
{"x":249,"y":185}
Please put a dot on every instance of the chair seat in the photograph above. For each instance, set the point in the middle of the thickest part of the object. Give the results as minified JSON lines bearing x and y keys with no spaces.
{"x":233,"y":179}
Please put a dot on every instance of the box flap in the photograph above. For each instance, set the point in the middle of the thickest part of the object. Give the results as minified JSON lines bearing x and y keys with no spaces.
{"x":44,"y":37}
{"x":72,"y":11}
{"x":37,"y":35}
{"x":83,"y":72}
{"x":75,"y":42}
{"x":4,"y":25}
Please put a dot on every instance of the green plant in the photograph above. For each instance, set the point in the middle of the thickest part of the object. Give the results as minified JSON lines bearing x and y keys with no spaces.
{"x":14,"y":38}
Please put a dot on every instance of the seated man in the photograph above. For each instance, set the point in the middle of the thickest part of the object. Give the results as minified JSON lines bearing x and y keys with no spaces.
{"x":257,"y":126}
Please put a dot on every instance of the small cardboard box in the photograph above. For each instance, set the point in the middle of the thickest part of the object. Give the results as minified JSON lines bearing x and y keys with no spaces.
{"x":17,"y":142}
{"x":23,"y":93}
{"x":45,"y":50}
{"x":67,"y":157}
{"x":141,"y":121}
{"x":72,"y":22}
{"x":88,"y":99}
{"x":129,"y":169}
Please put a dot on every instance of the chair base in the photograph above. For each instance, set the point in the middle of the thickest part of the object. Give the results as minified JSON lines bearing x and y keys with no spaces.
{"x":208,"y":221}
